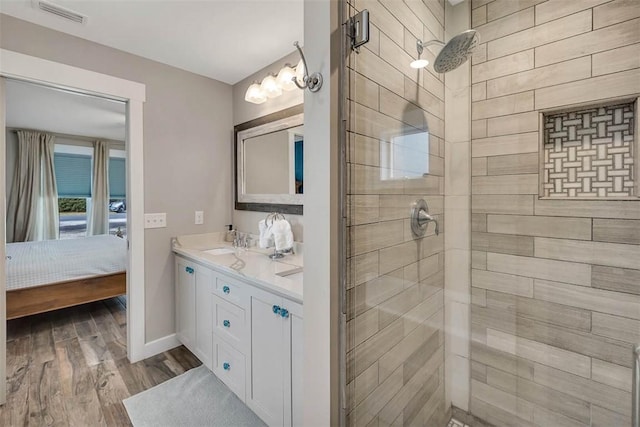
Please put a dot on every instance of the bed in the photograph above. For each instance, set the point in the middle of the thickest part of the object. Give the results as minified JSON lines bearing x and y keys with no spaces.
{"x":52,"y":274}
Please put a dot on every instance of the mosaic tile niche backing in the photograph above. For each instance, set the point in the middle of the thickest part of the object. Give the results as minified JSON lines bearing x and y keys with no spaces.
{"x":589,"y":153}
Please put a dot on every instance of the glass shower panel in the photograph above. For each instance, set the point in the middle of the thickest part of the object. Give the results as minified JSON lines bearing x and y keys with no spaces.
{"x":395,"y":279}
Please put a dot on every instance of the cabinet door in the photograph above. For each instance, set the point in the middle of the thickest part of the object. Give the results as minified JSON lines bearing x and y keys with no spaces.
{"x":265,"y":386}
{"x":204,"y":316}
{"x":297,"y":362}
{"x":185,"y":303}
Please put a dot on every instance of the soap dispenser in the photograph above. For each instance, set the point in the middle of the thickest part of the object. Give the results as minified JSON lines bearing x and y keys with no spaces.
{"x":230,"y":234}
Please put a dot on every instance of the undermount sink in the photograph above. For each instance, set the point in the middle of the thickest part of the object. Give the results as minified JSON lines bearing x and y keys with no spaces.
{"x":290,"y":273}
{"x":219,"y":251}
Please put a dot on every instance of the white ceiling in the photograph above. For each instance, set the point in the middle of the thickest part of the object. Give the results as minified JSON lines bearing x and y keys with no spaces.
{"x":226,"y":40}
{"x":31,"y":106}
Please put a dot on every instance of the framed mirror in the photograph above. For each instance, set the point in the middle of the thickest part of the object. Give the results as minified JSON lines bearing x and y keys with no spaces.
{"x":269,"y":167}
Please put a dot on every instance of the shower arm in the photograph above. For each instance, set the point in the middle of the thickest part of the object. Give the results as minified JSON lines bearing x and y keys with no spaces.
{"x":420,"y":45}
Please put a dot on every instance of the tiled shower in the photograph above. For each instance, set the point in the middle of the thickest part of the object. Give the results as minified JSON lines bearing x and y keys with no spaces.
{"x":525,"y":309}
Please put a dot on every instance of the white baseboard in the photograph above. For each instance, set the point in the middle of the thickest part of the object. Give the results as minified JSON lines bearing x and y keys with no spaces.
{"x":160,"y":345}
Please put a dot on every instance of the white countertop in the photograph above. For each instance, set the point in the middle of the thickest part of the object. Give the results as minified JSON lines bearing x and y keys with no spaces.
{"x":253,"y":265}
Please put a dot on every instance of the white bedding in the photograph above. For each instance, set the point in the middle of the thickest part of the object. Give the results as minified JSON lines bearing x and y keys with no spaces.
{"x":39,"y":263}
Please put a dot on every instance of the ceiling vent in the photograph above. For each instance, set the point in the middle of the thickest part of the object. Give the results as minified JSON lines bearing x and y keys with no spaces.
{"x":59,"y":11}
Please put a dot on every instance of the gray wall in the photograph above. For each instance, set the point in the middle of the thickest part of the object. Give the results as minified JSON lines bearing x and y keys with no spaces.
{"x":243,"y":112}
{"x":187,"y":128}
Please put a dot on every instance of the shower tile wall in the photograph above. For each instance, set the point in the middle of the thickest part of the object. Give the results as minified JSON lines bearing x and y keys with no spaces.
{"x":555,"y":283}
{"x":395,"y":297}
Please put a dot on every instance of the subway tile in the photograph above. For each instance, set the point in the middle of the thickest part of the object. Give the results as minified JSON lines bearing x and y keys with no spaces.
{"x":382,"y":18}
{"x":588,"y":298}
{"x":499,"y":8}
{"x":479,"y":54}
{"x":502,"y":243}
{"x":600,"y":253}
{"x":611,"y":374}
{"x":479,"y":91}
{"x":505,"y":26}
{"x":479,"y":260}
{"x":405,"y":16}
{"x":479,"y":296}
{"x":502,"y":204}
{"x":479,"y":129}
{"x":511,"y":64}
{"x":398,"y":206}
{"x":478,"y":166}
{"x":429,"y":313}
{"x":374,"y":402}
{"x":363,"y":209}
{"x":615,"y":60}
{"x":589,"y":90}
{"x":589,"y":208}
{"x":395,"y":257}
{"x":620,"y":328}
{"x":544,"y":417}
{"x":505,"y":184}
{"x":503,"y":106}
{"x":615,"y":12}
{"x":479,"y":3}
{"x":541,"y":226}
{"x":545,"y":269}
{"x":541,"y":353}
{"x":478,"y":16}
{"x":367,"y":353}
{"x":601,"y":417}
{"x":556,"y":402}
{"x":362,"y":327}
{"x":563,"y":72}
{"x":616,"y":279}
{"x":422,"y":269}
{"x":605,"y":39}
{"x":583,"y":388}
{"x":366,"y":180}
{"x":370,"y":294}
{"x":398,"y":58}
{"x":512,"y":164}
{"x":499,"y":282}
{"x":370,"y":237}
{"x":426,"y":17}
{"x":433,"y":85}
{"x":541,"y":311}
{"x":363,"y":384}
{"x":437,"y":8}
{"x":507,"y":144}
{"x":363,"y":90}
{"x":617,"y":231}
{"x":492,"y":414}
{"x":423,"y":98}
{"x":364,"y":150}
{"x":410,"y":114}
{"x":540,"y":35}
{"x":364,"y":267}
{"x":514,"y":364}
{"x":514,"y":123}
{"x":374,"y":124}
{"x":503,"y":400}
{"x":379,"y":71}
{"x":554,"y":9}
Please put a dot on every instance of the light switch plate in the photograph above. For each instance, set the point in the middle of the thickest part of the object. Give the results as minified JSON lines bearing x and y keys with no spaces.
{"x":155,"y":220}
{"x":199,"y":217}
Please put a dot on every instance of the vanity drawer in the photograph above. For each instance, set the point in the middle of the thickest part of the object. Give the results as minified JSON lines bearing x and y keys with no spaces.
{"x":232,"y":291}
{"x":230,"y":322}
{"x":229,"y":365}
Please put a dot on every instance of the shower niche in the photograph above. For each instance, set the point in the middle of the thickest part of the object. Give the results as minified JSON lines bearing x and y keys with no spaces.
{"x":590,"y":152}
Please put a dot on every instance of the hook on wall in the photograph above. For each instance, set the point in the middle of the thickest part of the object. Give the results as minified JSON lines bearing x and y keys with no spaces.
{"x":312,"y":82}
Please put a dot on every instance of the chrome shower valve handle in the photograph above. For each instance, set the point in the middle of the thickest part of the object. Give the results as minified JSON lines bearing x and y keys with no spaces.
{"x":420,"y":218}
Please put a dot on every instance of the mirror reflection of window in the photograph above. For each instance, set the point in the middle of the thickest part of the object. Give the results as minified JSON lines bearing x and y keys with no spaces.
{"x":405,"y":156}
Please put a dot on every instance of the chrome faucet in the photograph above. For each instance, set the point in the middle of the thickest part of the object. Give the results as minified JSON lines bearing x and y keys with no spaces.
{"x":420,"y":218}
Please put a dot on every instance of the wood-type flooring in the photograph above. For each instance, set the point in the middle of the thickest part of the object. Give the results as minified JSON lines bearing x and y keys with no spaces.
{"x":69,"y":367}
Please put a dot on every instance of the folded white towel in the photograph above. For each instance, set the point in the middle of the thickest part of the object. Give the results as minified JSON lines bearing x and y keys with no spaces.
{"x":266,"y":239}
{"x":282,"y":235}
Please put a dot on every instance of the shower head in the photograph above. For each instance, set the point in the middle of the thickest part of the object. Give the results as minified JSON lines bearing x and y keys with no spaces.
{"x":456,"y":51}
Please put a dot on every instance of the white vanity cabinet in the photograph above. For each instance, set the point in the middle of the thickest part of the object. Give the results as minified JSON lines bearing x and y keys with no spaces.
{"x":274,"y":389}
{"x":194,"y":284}
{"x":251,"y":338}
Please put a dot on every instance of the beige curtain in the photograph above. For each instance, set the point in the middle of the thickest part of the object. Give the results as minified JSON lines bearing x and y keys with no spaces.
{"x":98,"y":219}
{"x":32,"y":211}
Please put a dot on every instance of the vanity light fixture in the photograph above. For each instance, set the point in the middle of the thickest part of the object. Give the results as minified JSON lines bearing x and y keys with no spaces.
{"x":285,"y":78}
{"x":419,"y":63}
{"x":270,"y":86}
{"x":255,"y":94}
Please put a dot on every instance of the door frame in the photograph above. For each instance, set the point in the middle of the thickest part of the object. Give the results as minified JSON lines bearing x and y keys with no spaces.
{"x":49,"y":73}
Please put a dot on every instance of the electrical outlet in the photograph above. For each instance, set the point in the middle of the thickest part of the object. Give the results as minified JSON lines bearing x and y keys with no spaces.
{"x":199,"y":217}
{"x":155,"y":220}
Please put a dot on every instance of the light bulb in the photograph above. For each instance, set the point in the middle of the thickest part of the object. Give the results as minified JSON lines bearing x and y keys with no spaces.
{"x":255,"y":94}
{"x":419,"y":63}
{"x":285,"y":78}
{"x":300,"y":72}
{"x":270,"y":86}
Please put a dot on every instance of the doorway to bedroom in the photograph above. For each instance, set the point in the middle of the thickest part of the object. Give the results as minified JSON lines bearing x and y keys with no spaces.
{"x":66,"y":221}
